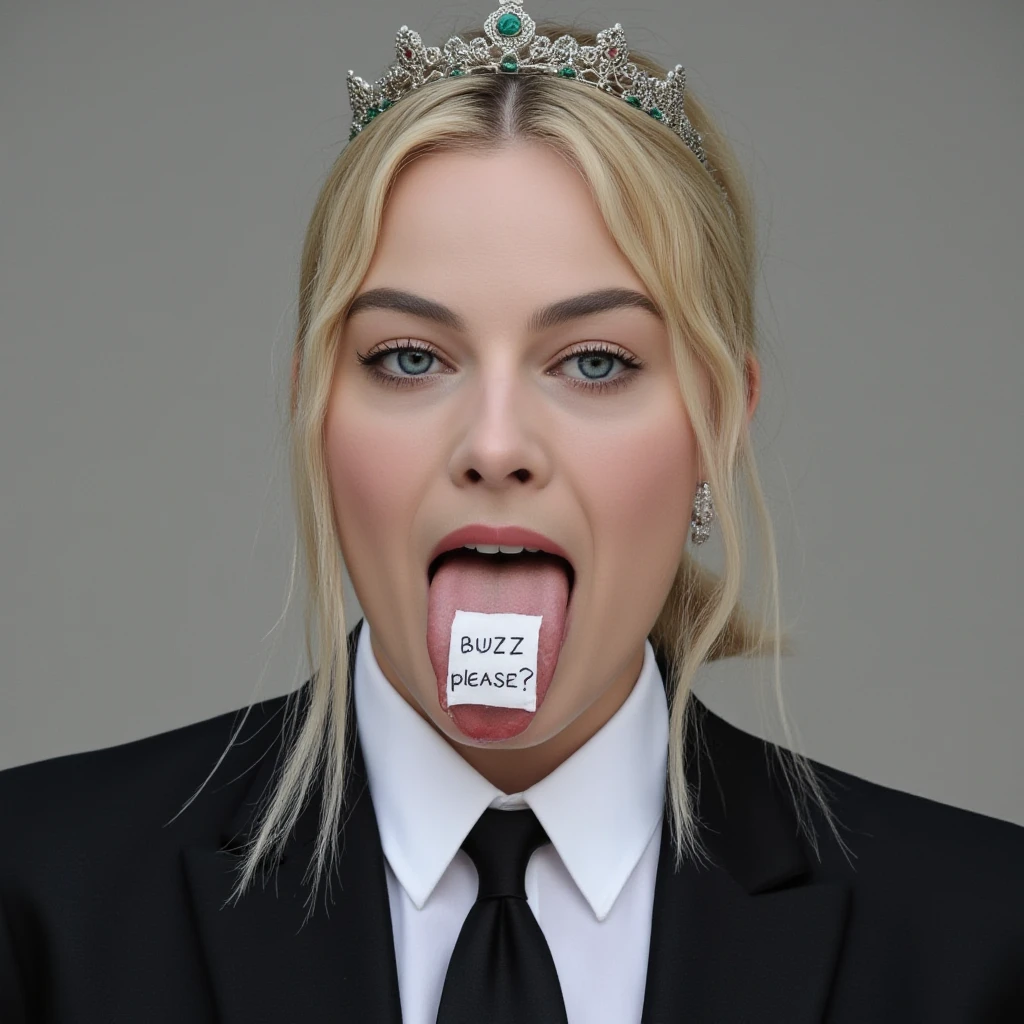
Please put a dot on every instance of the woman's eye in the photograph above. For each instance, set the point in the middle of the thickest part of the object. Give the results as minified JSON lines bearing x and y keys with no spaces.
{"x":594,"y":365}
{"x":399,"y":364}
{"x":415,"y":361}
{"x":404,"y":364}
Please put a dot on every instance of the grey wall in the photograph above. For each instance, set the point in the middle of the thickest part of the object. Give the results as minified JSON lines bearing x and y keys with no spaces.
{"x":158,"y":162}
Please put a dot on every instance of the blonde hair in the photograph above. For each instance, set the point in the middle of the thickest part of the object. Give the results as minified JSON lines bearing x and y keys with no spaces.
{"x":696,"y":255}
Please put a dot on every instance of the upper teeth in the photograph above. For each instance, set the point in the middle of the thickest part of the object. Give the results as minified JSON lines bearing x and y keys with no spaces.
{"x":493,"y":549}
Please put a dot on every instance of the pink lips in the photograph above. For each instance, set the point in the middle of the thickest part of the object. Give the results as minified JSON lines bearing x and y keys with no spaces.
{"x":510,"y":536}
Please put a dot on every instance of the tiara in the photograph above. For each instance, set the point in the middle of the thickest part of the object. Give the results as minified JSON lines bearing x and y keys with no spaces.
{"x":511,"y":47}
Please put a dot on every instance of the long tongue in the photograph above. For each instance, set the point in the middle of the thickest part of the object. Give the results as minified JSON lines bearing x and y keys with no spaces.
{"x":530,"y":584}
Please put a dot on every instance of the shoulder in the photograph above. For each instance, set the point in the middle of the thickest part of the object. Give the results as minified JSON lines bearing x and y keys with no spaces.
{"x":936,"y":896}
{"x":931,"y":842}
{"x":885,"y":828}
{"x":930,"y":884}
{"x":934,"y":909}
{"x":106,"y":803}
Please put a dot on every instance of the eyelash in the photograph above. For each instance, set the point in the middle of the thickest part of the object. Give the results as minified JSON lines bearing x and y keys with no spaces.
{"x":372,"y":363}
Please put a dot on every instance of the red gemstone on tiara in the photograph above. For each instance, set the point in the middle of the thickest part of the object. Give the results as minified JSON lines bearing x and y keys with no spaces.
{"x":613,"y":52}
{"x":408,"y":54}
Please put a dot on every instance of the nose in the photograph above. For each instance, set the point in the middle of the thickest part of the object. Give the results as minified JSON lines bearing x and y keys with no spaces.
{"x":503,"y":435}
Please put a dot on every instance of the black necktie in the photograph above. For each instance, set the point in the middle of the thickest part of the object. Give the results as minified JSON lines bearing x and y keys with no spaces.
{"x":501,"y":971}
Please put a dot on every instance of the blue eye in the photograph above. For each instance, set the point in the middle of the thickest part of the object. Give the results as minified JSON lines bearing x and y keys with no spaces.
{"x":592,"y":363}
{"x":415,"y":361}
{"x":595,"y":361}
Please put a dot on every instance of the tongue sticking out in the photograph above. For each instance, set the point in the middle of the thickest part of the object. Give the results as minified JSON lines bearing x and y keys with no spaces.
{"x":528,"y":584}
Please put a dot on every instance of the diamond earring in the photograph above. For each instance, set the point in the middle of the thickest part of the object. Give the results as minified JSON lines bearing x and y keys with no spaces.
{"x":703,"y":514}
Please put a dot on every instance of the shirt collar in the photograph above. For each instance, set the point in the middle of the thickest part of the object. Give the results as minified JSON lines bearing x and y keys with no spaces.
{"x":600,"y":807}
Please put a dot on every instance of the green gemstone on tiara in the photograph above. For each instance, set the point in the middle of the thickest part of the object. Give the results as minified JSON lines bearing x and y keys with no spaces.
{"x":455,"y":72}
{"x":509,"y":25}
{"x":633,"y":101}
{"x":655,"y":112}
{"x":510,"y":64}
{"x":567,"y":72}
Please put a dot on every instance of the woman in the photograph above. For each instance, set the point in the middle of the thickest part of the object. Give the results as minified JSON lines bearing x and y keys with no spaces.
{"x":526,"y":327}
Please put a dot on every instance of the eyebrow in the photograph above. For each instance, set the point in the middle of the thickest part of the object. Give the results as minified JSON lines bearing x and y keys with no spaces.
{"x":560,"y":312}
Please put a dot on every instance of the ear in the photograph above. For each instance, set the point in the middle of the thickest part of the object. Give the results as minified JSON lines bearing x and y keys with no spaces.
{"x":752,"y":373}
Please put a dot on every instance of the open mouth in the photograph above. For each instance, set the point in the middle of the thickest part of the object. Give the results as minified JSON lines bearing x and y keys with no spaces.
{"x":501,"y":558}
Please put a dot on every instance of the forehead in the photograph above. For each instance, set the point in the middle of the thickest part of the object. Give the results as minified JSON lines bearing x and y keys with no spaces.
{"x":504,"y":229}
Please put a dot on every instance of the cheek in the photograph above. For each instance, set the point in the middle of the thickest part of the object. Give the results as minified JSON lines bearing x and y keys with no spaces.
{"x":639,"y":486}
{"x":373,"y":469}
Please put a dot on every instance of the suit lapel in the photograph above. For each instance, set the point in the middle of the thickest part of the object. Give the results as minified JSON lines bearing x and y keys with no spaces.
{"x":749,"y":937}
{"x":273,"y":957}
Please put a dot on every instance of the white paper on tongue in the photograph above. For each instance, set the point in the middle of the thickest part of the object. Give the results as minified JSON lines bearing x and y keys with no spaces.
{"x":492,"y":659}
{"x":534,"y":586}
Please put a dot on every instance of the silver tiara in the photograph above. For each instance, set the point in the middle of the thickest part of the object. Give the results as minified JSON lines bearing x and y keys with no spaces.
{"x":513,"y":47}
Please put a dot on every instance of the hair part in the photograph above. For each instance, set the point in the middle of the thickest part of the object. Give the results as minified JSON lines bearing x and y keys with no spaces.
{"x":696,"y":255}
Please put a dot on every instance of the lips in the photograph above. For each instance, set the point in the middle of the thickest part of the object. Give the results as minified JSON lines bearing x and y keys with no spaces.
{"x":505,"y":536}
{"x":497,"y":560}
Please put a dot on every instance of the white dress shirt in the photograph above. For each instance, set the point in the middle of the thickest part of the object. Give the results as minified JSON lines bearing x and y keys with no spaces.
{"x":591,"y":889}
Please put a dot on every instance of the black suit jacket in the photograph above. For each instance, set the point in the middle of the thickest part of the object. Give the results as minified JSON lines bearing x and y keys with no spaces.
{"x":109,"y":914}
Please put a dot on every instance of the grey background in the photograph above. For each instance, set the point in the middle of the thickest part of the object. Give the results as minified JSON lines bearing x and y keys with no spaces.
{"x":158,"y":164}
